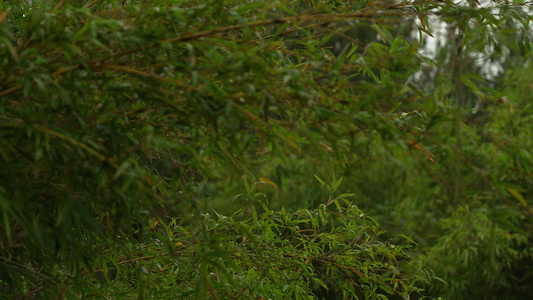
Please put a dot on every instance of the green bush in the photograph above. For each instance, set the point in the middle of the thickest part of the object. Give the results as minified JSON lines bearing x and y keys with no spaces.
{"x":128,"y":127}
{"x":114,"y":117}
{"x":302,"y":255}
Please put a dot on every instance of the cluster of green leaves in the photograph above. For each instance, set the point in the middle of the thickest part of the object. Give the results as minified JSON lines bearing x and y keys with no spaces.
{"x":113,"y":115}
{"x":117,"y":115}
{"x":327,"y":252}
{"x":488,"y":240}
{"x":470,"y":210}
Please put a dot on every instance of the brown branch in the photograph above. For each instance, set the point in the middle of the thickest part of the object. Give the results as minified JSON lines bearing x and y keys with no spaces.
{"x":92,"y":3}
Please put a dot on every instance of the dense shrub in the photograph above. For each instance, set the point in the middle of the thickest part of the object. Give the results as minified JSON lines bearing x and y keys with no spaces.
{"x":129,"y":127}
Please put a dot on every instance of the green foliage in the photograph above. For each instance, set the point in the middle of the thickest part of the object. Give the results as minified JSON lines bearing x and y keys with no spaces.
{"x":488,"y":241}
{"x":128,"y":127}
{"x":276,"y":254}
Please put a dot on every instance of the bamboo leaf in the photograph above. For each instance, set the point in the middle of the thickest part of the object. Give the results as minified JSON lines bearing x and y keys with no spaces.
{"x":268,"y":181}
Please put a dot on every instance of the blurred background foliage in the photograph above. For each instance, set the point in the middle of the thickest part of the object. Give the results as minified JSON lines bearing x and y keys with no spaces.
{"x":228,"y":149}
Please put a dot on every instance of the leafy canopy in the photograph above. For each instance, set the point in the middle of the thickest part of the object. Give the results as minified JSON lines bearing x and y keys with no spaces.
{"x":128,"y":127}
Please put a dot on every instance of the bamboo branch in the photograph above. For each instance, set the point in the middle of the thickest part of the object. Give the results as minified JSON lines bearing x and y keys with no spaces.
{"x":325,"y":18}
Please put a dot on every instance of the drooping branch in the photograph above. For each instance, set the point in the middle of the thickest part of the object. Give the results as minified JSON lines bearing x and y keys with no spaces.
{"x":367,"y":14}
